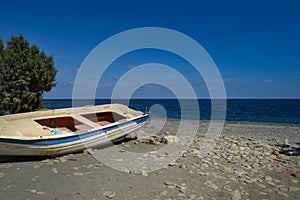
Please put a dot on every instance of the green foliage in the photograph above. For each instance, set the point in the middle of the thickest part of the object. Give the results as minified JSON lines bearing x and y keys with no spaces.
{"x":25,"y":74}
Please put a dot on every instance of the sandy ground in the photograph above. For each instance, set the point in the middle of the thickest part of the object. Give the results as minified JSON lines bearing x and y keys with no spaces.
{"x":248,"y":161}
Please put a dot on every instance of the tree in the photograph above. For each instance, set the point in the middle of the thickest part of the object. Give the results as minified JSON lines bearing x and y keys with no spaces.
{"x":25,"y":74}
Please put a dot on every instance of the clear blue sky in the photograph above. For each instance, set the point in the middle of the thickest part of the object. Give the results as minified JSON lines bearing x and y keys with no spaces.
{"x":255,"y":44}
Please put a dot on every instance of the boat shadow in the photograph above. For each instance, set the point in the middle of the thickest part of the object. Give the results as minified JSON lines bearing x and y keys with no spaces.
{"x":290,"y":150}
{"x":16,"y":159}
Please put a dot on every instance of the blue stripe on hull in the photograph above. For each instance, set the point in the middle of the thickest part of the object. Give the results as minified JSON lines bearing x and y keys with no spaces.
{"x":70,"y":138}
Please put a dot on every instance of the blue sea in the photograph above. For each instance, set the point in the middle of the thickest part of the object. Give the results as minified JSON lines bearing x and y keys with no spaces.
{"x":245,"y":110}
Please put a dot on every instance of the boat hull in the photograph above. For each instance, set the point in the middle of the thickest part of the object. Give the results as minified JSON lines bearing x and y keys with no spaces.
{"x":69,"y":144}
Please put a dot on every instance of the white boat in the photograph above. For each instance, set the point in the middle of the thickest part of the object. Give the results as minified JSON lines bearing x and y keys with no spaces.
{"x":62,"y":131}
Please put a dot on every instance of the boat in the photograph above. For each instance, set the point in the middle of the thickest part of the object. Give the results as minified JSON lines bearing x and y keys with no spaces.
{"x":69,"y":130}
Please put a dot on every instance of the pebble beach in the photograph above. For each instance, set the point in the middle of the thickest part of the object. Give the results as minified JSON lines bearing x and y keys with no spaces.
{"x":248,"y":161}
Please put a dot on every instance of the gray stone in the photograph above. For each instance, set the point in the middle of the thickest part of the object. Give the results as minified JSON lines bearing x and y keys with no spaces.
{"x":268,"y":178}
{"x":35,"y":178}
{"x":182,"y":190}
{"x":170,"y":139}
{"x":282,"y":193}
{"x":40,"y":193}
{"x":109,"y":194}
{"x":205,"y":165}
{"x":144,"y":173}
{"x":294,"y":189}
{"x":271,"y":183}
{"x":54,"y":170}
{"x":211,"y":185}
{"x":2,"y":175}
{"x":236,"y":195}
{"x":78,"y":174}
{"x":36,"y":166}
{"x":33,"y":191}
{"x":169,"y":183}
{"x":46,"y":161}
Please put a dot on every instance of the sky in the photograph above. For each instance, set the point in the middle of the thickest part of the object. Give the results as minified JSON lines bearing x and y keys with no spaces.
{"x":254,"y":44}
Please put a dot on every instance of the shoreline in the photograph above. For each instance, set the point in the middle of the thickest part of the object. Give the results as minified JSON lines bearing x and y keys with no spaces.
{"x":247,"y":162}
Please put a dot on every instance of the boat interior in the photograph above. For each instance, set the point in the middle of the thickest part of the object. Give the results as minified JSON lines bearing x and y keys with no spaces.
{"x":64,"y":121}
{"x":67,"y":124}
{"x":103,"y":118}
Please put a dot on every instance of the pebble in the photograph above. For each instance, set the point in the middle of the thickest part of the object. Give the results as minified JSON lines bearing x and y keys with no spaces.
{"x":144,"y":173}
{"x":205,"y":165}
{"x":182,"y":190}
{"x":294,"y":189}
{"x":33,"y":191}
{"x":35,"y":178}
{"x":211,"y":185}
{"x":36,"y":166}
{"x":78,"y":174}
{"x":294,"y":181}
{"x":63,"y":159}
{"x":2,"y":175}
{"x":54,"y":170}
{"x":40,"y":193}
{"x":164,"y":193}
{"x":236,"y":195}
{"x":282,"y":193}
{"x":271,"y":183}
{"x":168,"y":183}
{"x":109,"y":194}
{"x":46,"y":161}
{"x":268,"y":178}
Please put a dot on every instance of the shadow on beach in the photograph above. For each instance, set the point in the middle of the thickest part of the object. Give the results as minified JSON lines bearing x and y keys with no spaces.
{"x":290,"y":150}
{"x":15,"y":159}
{"x":11,"y":159}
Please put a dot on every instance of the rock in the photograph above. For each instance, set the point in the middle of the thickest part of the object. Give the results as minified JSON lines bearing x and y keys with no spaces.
{"x":211,"y":185}
{"x":205,"y":165}
{"x":271,"y":183}
{"x":2,"y":175}
{"x":144,"y":173}
{"x":35,"y":178}
{"x":282,"y":193}
{"x":54,"y":170}
{"x":283,"y":189}
{"x":134,"y":171}
{"x":78,"y":174}
{"x":36,"y":166}
{"x":40,"y":193}
{"x":169,"y":183}
{"x":268,"y":178}
{"x":164,"y":193}
{"x":109,"y":194}
{"x":172,"y":164}
{"x":162,"y":155}
{"x":218,"y":176}
{"x":286,"y":142}
{"x":182,"y":190}
{"x":153,"y":139}
{"x":170,"y":139}
{"x":236,"y":195}
{"x":63,"y":159}
{"x":46,"y":161}
{"x":33,"y":191}
{"x":294,"y":189}
{"x":294,"y":181}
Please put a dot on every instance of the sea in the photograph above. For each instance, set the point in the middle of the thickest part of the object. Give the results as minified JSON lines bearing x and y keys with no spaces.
{"x":243,"y":110}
